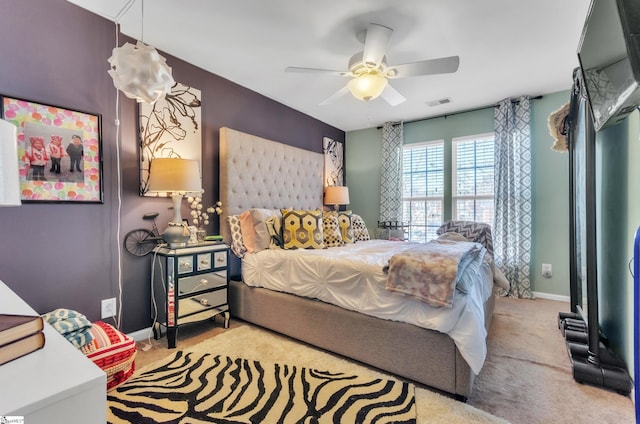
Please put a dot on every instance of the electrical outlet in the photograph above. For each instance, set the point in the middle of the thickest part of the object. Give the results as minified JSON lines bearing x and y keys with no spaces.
{"x":547,"y":270}
{"x":108,"y":308}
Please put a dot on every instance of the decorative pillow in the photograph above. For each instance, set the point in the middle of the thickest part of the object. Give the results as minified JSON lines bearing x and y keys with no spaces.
{"x":452,"y":236}
{"x":237,"y":245}
{"x":112,"y":351}
{"x":73,"y":325}
{"x":360,"y":232}
{"x":302,"y":229}
{"x":248,"y":232}
{"x":331,"y":229}
{"x":274,"y":227}
{"x":346,"y":229}
{"x":259,"y":217}
{"x":478,"y":232}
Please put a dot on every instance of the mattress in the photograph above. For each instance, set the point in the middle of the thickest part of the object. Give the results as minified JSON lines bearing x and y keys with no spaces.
{"x":352,"y":277}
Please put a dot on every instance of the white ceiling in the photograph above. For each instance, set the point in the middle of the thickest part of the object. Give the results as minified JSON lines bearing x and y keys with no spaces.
{"x":507,"y":48}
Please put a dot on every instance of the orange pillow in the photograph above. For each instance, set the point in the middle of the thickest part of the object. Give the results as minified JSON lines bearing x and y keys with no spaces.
{"x":248,"y":232}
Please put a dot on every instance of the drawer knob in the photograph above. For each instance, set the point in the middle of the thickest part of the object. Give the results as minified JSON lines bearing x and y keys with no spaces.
{"x":220,"y":259}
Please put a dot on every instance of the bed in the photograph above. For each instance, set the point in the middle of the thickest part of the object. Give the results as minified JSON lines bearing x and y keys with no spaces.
{"x":260,"y":173}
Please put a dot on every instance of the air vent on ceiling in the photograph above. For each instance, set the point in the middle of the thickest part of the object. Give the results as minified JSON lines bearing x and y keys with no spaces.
{"x":439,"y":102}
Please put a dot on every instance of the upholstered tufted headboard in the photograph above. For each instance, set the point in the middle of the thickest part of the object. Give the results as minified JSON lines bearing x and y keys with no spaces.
{"x":260,"y":173}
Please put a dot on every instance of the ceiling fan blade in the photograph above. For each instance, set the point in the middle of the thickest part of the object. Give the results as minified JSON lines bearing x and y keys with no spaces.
{"x":375,"y":44}
{"x":335,"y":96}
{"x":392,"y":96}
{"x":443,"y":65}
{"x":316,"y":71}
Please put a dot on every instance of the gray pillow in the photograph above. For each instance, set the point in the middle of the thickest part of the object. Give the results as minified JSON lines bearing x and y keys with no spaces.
{"x":260,"y":217}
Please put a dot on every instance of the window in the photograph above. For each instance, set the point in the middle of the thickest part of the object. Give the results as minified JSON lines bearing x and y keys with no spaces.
{"x":473,"y":171}
{"x":423,"y":189}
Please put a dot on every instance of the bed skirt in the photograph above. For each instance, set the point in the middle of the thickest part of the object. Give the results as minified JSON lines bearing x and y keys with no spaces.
{"x":424,"y":356}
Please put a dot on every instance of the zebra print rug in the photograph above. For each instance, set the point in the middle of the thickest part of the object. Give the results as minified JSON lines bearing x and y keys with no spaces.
{"x":192,"y":387}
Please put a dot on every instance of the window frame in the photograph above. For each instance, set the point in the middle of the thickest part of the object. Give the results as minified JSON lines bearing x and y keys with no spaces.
{"x":454,"y":175}
{"x":426,"y":198}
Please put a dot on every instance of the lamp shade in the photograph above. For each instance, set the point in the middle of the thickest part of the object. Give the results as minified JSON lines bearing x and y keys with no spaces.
{"x":9,"y":174}
{"x":140,"y":72}
{"x":174,"y":175}
{"x":336,"y":195}
{"x":367,"y":86}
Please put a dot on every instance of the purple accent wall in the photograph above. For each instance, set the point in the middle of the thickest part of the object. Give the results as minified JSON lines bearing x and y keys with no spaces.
{"x":66,"y":255}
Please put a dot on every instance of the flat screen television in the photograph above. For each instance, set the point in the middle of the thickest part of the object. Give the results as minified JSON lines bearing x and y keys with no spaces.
{"x":609,"y":55}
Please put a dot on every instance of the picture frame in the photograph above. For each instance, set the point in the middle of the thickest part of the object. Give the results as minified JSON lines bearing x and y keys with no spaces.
{"x":170,"y":128}
{"x":59,"y":152}
{"x":333,"y":162}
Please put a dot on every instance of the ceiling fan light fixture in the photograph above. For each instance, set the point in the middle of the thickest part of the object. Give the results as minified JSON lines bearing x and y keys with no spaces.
{"x":367,"y":86}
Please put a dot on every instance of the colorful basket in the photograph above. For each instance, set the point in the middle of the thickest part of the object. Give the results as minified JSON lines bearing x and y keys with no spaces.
{"x":112,"y":351}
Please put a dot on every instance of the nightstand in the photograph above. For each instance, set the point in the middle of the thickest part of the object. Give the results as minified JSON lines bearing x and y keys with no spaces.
{"x":190,"y":285}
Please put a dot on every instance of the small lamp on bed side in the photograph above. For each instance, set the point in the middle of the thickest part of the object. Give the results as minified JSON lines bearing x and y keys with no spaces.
{"x":336,"y":196}
{"x":175,"y":177}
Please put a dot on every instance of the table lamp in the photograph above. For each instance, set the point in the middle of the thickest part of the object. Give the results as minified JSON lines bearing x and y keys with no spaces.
{"x":9,"y":174}
{"x":336,"y":196}
{"x":175,"y":177}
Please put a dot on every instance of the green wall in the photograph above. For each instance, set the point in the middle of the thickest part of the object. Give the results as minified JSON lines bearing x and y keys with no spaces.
{"x":550,"y":180}
{"x":618,"y":218}
{"x":618,"y":198}
{"x":362,"y":151}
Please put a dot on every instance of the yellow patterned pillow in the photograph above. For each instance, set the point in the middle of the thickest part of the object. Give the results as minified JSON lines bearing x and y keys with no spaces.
{"x":302,"y":229}
{"x":331,"y":229}
{"x":346,"y":228}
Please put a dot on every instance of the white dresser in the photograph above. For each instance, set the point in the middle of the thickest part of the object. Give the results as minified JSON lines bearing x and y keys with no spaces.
{"x":56,"y":384}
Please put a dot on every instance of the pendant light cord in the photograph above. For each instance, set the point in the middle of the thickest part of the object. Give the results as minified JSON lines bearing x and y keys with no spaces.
{"x":119,"y":192}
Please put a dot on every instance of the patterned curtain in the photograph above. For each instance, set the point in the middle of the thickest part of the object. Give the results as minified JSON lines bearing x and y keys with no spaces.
{"x":391,"y":172}
{"x":512,"y":228}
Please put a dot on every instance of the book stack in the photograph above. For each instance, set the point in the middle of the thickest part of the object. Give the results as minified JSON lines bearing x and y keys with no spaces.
{"x":20,"y":335}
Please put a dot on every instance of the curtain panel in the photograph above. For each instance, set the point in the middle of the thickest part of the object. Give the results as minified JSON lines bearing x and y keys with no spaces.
{"x":512,"y":228}
{"x":391,"y":172}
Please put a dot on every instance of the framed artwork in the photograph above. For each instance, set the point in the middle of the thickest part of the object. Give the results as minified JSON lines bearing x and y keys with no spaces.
{"x":333,"y":162}
{"x":170,"y":128}
{"x":59,"y":152}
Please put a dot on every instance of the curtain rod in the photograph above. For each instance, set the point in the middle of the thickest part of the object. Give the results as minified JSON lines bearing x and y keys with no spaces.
{"x":463,"y":111}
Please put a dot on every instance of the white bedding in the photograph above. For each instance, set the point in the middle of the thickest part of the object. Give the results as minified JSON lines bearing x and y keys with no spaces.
{"x":351,"y":277}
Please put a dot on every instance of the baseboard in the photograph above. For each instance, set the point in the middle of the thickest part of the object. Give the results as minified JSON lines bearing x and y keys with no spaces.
{"x":140,"y":335}
{"x":551,"y":296}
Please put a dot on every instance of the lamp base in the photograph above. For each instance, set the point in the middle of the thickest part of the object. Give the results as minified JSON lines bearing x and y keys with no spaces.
{"x":176,"y":235}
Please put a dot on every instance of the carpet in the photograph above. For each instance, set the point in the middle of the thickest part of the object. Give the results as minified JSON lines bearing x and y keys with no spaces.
{"x":253,"y":343}
{"x":191,"y":387}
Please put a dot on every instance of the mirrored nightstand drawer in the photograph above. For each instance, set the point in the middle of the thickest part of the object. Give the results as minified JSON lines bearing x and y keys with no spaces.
{"x":202,"y":302}
{"x":202,"y":282}
{"x":220,"y":259}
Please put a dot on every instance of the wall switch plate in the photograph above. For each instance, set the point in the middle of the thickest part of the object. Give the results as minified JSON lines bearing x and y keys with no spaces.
{"x":108,"y":308}
{"x":547,"y":270}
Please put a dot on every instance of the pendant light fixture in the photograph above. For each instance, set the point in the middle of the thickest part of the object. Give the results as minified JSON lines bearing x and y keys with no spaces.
{"x":139,"y":71}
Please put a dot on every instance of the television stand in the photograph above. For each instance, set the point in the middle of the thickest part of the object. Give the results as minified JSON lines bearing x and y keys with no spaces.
{"x":603,"y":369}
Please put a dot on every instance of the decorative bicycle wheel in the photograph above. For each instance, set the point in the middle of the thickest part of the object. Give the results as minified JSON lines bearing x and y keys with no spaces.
{"x":139,"y":242}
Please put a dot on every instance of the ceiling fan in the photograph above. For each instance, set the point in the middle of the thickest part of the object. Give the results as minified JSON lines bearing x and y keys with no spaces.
{"x":369,"y":71}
